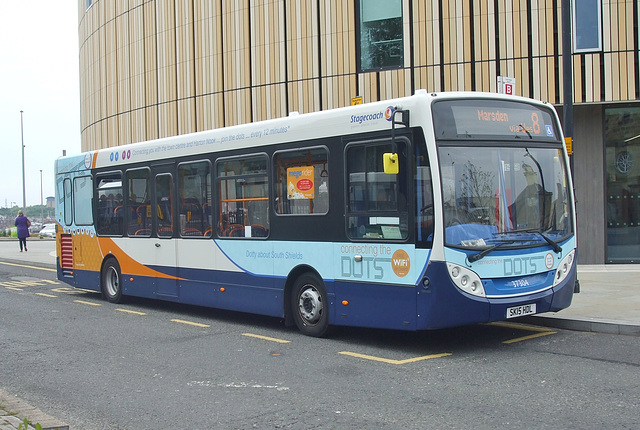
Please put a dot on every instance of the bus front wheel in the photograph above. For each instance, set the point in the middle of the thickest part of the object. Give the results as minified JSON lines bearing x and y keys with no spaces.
{"x":310,"y":305}
{"x":112,"y":281}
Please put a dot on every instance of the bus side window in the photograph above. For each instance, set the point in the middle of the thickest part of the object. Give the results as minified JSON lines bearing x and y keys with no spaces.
{"x":243,"y":197}
{"x":194,"y":200}
{"x":424,"y":199}
{"x":377,"y":205}
{"x":164,"y":205}
{"x":302,"y":181}
{"x":137,"y":215}
{"x":109,"y":213}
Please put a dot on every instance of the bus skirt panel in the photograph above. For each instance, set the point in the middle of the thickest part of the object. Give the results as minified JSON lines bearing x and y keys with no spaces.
{"x":374,"y":306}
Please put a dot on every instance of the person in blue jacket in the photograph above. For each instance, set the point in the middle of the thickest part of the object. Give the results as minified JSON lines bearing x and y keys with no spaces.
{"x":23,"y":224}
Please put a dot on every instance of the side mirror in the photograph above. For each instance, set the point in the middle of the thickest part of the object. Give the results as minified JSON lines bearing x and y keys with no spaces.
{"x":391,"y":165}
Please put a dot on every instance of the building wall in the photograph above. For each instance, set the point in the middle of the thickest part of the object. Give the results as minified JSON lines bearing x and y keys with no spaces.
{"x":588,"y":165}
{"x":151,"y":69}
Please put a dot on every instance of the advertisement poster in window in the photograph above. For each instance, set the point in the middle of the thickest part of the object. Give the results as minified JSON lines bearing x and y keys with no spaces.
{"x":300,"y":183}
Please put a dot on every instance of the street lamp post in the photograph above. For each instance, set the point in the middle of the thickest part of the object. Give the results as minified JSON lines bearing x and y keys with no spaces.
{"x":41,"y":200}
{"x":24,"y":190}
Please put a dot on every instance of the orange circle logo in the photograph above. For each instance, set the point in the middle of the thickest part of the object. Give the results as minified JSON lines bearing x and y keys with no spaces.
{"x":400,"y":263}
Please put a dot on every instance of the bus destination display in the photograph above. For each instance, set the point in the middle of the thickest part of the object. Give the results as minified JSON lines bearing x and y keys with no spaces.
{"x":482,"y":120}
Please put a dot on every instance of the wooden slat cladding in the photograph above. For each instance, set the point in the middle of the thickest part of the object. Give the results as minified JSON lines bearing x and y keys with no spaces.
{"x":154,"y":68}
{"x":268,"y":61}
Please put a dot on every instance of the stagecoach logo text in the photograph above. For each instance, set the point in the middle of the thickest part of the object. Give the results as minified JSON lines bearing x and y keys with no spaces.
{"x":360,"y":119}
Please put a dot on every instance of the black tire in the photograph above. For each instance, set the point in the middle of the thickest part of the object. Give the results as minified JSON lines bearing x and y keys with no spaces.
{"x":310,"y":305}
{"x":111,"y":281}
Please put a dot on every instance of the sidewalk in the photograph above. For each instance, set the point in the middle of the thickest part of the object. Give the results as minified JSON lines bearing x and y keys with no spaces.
{"x":13,"y":411}
{"x":609,"y":302}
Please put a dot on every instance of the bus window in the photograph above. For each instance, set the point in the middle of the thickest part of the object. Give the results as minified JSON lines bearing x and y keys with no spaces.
{"x":109,"y":212}
{"x":60,"y":201}
{"x":377,"y":206}
{"x":424,"y":199}
{"x":194,"y":199}
{"x":243,"y":193}
{"x":137,"y":206}
{"x":68,"y":196}
{"x":302,"y":181}
{"x":82,"y":193}
{"x":164,"y":205}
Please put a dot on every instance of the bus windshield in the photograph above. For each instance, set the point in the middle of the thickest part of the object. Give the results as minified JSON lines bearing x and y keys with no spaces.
{"x":503,"y":196}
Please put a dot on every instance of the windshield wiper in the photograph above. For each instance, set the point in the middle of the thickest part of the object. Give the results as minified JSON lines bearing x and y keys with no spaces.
{"x":551,"y":242}
{"x":475,"y":257}
{"x":557,"y":249}
{"x":522,"y":128}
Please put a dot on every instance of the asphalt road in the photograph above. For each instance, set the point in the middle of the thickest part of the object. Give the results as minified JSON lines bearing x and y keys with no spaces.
{"x":153,"y":365}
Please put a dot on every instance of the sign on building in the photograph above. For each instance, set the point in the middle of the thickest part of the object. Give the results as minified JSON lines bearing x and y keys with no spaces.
{"x":506,"y":85}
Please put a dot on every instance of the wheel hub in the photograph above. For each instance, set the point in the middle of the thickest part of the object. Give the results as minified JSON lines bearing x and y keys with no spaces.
{"x":310,"y":305}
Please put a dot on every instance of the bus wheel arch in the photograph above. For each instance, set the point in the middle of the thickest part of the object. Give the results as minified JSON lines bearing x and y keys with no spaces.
{"x":111,"y":280}
{"x":307,"y":302}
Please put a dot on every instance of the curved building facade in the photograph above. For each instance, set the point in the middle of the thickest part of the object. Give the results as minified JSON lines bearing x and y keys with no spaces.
{"x":150,"y":69}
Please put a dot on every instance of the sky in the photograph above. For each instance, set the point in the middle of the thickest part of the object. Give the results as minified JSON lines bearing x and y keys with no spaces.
{"x":39,"y":76}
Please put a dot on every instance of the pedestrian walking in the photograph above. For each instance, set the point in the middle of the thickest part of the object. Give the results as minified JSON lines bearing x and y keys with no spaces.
{"x":23,"y":224}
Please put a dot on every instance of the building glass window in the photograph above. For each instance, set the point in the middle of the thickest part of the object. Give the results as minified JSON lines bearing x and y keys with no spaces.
{"x":587,"y":26}
{"x":381,"y":43}
{"x":622,"y":142}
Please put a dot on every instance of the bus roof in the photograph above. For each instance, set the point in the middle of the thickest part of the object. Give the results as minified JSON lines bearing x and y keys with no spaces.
{"x":348,"y":120}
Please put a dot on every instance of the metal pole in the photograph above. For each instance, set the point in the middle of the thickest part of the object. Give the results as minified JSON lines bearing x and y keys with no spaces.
{"x":41,"y":199}
{"x":567,"y":70}
{"x":24,"y":190}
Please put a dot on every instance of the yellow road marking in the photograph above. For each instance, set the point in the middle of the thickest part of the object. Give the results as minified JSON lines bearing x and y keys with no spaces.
{"x":14,"y":288}
{"x":531,"y":336}
{"x":270,"y":339}
{"x":190,"y":323}
{"x":131,"y":312}
{"x":50,"y":282}
{"x":16,"y":284}
{"x":32,"y":283}
{"x":68,"y":290}
{"x":82,"y":302}
{"x":28,"y":267}
{"x":46,"y":295}
{"x":518,"y":326}
{"x":390,"y":361}
{"x":541,"y":331}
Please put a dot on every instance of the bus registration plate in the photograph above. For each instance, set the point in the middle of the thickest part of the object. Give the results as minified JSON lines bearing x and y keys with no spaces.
{"x":518,"y":311}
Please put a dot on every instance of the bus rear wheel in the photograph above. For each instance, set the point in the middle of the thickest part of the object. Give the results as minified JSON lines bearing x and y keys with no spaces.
{"x":310,"y":305}
{"x":111,"y":284}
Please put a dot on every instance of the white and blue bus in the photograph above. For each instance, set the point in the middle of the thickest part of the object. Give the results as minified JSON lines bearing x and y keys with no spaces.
{"x":424,"y":212}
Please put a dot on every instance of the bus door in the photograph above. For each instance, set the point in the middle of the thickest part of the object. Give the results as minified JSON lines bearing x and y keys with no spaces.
{"x":163,"y":244}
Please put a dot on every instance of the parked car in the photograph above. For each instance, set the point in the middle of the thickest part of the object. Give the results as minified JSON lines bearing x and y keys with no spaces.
{"x":49,"y":230}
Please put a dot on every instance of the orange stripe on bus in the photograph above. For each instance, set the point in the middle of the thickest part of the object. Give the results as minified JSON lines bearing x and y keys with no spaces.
{"x":127,"y":264}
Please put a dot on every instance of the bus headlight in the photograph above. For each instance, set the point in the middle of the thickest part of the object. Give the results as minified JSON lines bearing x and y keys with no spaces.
{"x":465,"y":279}
{"x":564,"y":268}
